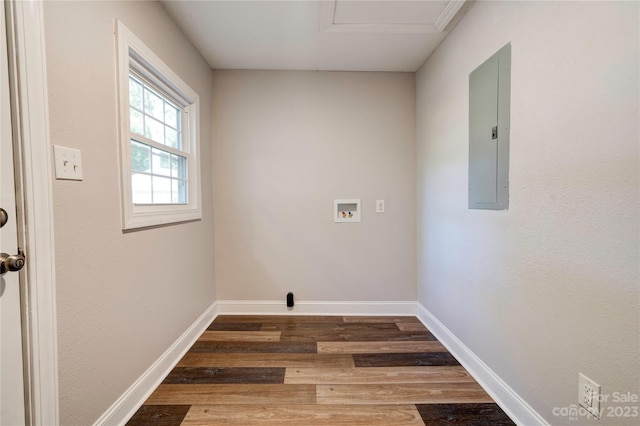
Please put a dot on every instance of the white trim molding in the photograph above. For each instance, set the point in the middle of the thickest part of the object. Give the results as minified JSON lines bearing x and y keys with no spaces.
{"x":448,"y":15}
{"x":276,"y":307}
{"x":512,"y":404}
{"x":126,"y":406}
{"x":27,"y":62}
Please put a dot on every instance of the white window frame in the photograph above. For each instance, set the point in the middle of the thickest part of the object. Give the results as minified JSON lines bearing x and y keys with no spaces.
{"x":133,"y":55}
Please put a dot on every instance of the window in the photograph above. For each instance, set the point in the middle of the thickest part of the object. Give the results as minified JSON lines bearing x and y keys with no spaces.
{"x":158,"y":138}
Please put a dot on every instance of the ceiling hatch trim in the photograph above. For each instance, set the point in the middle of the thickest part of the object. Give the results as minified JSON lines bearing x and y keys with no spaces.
{"x":327,"y":24}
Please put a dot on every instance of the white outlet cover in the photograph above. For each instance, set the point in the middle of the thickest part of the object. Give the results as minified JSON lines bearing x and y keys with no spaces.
{"x":68,"y":163}
{"x":379,"y":206}
{"x":589,"y":395}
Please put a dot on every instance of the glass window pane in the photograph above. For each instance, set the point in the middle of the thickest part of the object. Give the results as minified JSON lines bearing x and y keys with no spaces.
{"x":140,"y":188}
{"x":135,"y":93}
{"x":136,"y":122}
{"x":161,"y":165}
{"x":170,"y":115}
{"x":140,"y":157}
{"x":178,"y":191}
{"x":154,"y":130}
{"x":178,"y":167}
{"x":157,"y":175}
{"x":161,"y":190}
{"x":153,"y":105}
{"x":171,"y":137}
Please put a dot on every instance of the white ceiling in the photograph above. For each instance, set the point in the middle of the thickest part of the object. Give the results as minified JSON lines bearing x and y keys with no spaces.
{"x":335,"y":35}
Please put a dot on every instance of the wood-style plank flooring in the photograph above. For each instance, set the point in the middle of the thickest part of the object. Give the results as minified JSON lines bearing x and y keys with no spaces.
{"x":318,"y":370}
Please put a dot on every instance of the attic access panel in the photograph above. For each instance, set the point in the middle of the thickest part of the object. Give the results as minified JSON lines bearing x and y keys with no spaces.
{"x":489,"y":126}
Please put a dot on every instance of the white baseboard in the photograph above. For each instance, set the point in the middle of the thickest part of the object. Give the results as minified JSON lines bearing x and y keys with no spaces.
{"x":512,"y":404}
{"x":126,"y":406}
{"x":276,"y":307}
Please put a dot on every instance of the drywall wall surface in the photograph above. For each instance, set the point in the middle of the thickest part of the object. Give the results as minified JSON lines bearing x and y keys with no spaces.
{"x":122,"y":299}
{"x":548,"y":288}
{"x":286,"y":144}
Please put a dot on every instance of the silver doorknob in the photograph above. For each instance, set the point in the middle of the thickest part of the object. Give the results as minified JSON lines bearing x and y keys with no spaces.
{"x":4,"y":217}
{"x":11,"y":262}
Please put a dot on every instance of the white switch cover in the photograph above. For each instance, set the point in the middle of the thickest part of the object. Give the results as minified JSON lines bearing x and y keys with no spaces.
{"x":379,"y":206}
{"x":68,"y":163}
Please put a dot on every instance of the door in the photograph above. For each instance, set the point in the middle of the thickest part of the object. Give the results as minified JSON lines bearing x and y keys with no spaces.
{"x":12,"y":408}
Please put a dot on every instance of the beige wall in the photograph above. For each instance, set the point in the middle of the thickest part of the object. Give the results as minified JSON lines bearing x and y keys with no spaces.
{"x":122,"y":299}
{"x":548,"y":288}
{"x":538,"y":292}
{"x":286,"y":144}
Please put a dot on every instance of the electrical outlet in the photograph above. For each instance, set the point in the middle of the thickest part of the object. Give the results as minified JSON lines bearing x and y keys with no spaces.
{"x":68,"y":162}
{"x":379,"y":206}
{"x":589,"y":395}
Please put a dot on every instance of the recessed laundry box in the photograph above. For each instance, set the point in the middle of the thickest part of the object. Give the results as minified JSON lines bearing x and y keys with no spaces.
{"x":346,"y":210}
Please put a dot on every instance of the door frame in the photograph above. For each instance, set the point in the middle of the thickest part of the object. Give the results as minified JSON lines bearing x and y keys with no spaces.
{"x":34,"y":200}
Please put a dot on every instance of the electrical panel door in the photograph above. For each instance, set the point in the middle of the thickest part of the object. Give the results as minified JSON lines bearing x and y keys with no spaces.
{"x":489,"y":98}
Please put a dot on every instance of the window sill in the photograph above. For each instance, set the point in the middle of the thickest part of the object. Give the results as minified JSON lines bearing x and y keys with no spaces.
{"x":149,"y":216}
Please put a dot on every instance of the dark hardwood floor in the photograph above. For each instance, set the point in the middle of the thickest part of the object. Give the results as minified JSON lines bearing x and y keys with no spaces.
{"x":318,"y":370}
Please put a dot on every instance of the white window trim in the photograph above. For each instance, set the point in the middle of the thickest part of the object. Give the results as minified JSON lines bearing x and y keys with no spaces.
{"x":133,"y":54}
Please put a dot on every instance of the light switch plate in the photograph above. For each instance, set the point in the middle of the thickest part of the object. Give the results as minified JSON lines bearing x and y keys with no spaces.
{"x":68,"y":162}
